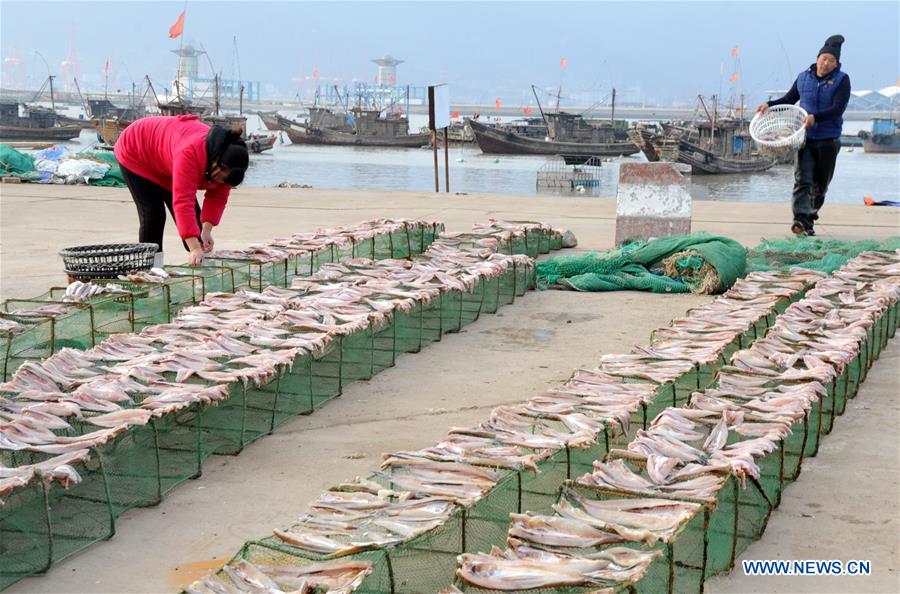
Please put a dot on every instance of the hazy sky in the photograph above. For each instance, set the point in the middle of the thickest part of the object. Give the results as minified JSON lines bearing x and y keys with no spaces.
{"x":660,"y":51}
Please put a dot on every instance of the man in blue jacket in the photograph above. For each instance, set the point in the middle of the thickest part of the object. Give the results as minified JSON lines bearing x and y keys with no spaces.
{"x":823,"y":90}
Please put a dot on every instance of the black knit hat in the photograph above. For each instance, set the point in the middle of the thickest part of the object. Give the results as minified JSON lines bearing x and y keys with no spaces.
{"x":832,"y":46}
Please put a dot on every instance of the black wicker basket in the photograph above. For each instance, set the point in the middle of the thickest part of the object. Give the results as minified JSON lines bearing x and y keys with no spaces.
{"x":107,"y":261}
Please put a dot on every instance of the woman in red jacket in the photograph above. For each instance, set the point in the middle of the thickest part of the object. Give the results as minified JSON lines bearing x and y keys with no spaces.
{"x":165,"y":160}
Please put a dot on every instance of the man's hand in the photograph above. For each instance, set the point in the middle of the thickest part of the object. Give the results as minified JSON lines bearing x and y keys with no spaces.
{"x":809,"y":121}
{"x":206,"y":238}
{"x":762,"y":108}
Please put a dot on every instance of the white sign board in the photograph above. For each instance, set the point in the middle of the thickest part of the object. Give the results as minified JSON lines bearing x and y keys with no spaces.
{"x":438,"y":107}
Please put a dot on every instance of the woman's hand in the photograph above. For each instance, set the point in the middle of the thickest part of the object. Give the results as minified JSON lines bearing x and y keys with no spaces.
{"x":206,"y":238}
{"x":195,"y":255}
{"x":762,"y":108}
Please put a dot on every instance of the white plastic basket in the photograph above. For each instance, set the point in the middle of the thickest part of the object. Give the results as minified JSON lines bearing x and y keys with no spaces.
{"x":780,"y":126}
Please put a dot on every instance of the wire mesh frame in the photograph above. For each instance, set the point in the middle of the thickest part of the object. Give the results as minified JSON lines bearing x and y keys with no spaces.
{"x":181,"y":458}
{"x":45,"y":335}
{"x":761,"y":496}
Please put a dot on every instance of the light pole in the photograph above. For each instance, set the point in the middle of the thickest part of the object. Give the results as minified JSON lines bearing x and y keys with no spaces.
{"x":50,"y":76}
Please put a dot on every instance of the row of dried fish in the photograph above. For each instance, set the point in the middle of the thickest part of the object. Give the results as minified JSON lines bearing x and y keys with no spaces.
{"x":319,"y":240}
{"x":468,"y":463}
{"x":768,"y":387}
{"x":340,"y":576}
{"x":243,"y":337}
{"x":298,"y":244}
{"x":685,"y":456}
{"x":229,"y":338}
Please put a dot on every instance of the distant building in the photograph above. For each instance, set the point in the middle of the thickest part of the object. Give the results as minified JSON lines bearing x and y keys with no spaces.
{"x":886,"y":99}
{"x":190,"y":85}
{"x":387,"y":70}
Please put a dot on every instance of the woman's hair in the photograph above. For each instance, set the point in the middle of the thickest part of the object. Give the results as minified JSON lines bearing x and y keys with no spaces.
{"x":235,"y":159}
{"x":225,"y":147}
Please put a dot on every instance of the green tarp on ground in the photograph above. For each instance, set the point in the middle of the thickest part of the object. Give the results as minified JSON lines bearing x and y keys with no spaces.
{"x":698,"y":262}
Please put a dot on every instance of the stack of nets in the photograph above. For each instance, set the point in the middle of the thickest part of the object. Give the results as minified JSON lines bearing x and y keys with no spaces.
{"x":698,"y":263}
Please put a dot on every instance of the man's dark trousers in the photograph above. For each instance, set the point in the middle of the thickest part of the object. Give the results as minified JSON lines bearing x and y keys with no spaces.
{"x":815,"y":168}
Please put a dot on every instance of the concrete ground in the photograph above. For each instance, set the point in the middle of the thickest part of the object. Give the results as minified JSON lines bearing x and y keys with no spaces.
{"x":850,"y":489}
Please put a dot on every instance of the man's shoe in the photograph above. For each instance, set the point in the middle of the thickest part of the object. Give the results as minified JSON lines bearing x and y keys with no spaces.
{"x":798,"y":229}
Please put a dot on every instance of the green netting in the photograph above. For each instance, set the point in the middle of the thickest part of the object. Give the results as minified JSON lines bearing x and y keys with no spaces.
{"x":43,"y":335}
{"x":40,"y":526}
{"x":814,"y":253}
{"x":16,"y":163}
{"x":699,"y":262}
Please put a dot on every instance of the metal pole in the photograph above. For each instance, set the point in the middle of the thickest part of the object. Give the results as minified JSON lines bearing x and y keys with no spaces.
{"x":540,"y":109}
{"x":52,"y":101}
{"x":50,"y":75}
{"x":437,"y":183}
{"x":446,"y":160}
{"x":612,"y":115}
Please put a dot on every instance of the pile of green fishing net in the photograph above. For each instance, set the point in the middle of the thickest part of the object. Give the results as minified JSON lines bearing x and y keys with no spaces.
{"x":699,"y":263}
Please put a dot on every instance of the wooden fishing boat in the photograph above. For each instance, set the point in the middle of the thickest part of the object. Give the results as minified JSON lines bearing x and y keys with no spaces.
{"x":38,"y":124}
{"x":364,"y":127}
{"x":710,"y":161}
{"x":258,"y":142}
{"x":495,"y":141}
{"x":269,"y":119}
{"x":711,"y":145}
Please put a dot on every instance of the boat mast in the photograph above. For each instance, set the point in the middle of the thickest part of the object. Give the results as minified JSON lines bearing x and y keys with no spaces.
{"x":87,"y":110}
{"x":708,"y":117}
{"x":152,"y":90}
{"x":52,"y":100}
{"x":543,"y":117}
{"x":612,"y":115}
{"x":712,"y":130}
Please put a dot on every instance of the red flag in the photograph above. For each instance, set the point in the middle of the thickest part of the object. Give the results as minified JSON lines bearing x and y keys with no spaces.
{"x":454,"y":115}
{"x":315,"y":73}
{"x":178,"y":28}
{"x":734,"y":77}
{"x":497,"y":102}
{"x":527,"y":110}
{"x":563,"y":63}
{"x":106,"y":67}
{"x":734,"y":52}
